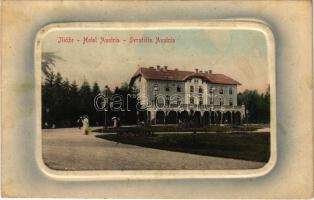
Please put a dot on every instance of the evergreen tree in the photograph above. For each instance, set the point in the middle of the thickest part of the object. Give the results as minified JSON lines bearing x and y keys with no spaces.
{"x":97,"y":117}
{"x":86,"y":99}
{"x":128,"y":114}
{"x":96,"y":89}
{"x":74,"y":103}
{"x":65,"y":105}
{"x":107,"y":114}
{"x":47,"y":100}
{"x":57,"y":104}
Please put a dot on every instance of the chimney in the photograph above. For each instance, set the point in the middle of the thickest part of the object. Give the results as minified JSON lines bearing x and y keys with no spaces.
{"x":201,"y":71}
{"x":210,"y":71}
{"x":176,"y":69}
{"x":151,"y":67}
{"x":166,"y":67}
{"x":196,"y":70}
{"x":158,"y":67}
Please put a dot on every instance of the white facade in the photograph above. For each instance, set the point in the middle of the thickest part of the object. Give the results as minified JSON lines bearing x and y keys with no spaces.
{"x":194,"y":94}
{"x":203,"y":93}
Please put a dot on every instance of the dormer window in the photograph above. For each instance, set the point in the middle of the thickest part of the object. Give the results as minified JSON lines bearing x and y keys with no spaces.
{"x":167,"y":89}
{"x":195,"y":80}
{"x":211,"y":90}
{"x":221,"y":91}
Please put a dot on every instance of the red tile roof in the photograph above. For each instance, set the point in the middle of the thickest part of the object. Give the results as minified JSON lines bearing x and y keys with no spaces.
{"x":178,"y":75}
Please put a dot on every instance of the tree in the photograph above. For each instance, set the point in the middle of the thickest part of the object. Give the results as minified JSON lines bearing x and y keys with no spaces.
{"x":74,"y":102}
{"x":96,"y":89}
{"x":48,"y":61}
{"x":128,"y":115}
{"x":66,"y":103}
{"x":257,"y":104}
{"x":63,"y":103}
{"x":58,"y":99}
{"x":49,"y":89}
{"x":97,"y":118}
{"x":47,"y":100}
{"x":86,"y":99}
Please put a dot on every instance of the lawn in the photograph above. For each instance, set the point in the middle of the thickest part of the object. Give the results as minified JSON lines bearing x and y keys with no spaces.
{"x":174,"y":128}
{"x":238,"y":145}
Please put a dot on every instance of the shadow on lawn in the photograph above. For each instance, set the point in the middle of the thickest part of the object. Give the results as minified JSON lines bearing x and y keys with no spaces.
{"x":239,"y":145}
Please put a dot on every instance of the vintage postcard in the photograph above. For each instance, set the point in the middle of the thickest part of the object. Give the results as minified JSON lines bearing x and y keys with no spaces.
{"x":157,"y":96}
{"x":156,"y":99}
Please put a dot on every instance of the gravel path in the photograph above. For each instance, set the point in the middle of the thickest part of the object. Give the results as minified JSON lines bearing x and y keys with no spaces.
{"x":69,"y":149}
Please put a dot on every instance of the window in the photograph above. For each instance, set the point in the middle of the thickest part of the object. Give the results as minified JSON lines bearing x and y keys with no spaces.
{"x":167,"y":89}
{"x":191,"y":100}
{"x":221,"y":91}
{"x":221,"y":102}
{"x":211,"y":90}
{"x":200,"y":89}
{"x":167,"y":100}
{"x":139,"y":79}
{"x":178,"y":88}
{"x":201,"y":100}
{"x":211,"y":101}
{"x":230,"y":91}
{"x":230,"y":102}
{"x":191,"y":88}
{"x":195,"y":80}
{"x":178,"y":100}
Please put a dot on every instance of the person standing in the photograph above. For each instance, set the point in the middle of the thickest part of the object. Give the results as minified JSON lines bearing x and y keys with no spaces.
{"x":85,"y":125}
{"x":115,"y":122}
{"x":80,"y":122}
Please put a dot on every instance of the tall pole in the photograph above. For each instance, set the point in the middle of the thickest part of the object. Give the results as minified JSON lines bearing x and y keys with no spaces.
{"x":155,"y":104}
{"x":106,"y":103}
{"x":155,"y":101}
{"x":105,"y":118}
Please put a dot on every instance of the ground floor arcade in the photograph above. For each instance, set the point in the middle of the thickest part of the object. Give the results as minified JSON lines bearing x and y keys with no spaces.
{"x":196,"y":117}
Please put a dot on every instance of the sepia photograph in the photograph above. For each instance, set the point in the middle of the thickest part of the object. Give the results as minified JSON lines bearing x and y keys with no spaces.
{"x":155,"y":99}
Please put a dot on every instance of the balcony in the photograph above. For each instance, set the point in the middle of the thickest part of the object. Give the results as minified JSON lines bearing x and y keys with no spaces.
{"x":180,"y":107}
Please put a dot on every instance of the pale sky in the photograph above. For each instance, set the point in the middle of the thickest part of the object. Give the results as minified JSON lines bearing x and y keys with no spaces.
{"x":240,"y":54}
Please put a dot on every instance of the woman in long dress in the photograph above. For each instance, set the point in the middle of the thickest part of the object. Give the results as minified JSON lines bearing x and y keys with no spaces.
{"x":85,"y":125}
